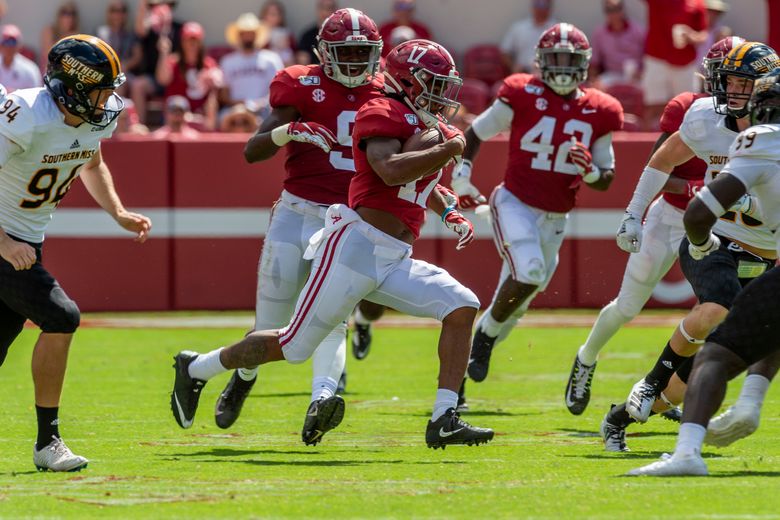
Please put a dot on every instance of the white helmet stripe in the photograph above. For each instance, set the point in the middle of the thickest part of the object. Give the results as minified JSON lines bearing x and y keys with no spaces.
{"x":354,"y":14}
{"x":565,"y":28}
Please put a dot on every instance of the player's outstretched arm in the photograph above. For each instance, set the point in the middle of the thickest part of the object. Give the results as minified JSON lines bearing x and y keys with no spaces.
{"x":396,"y":168}
{"x":97,"y":178}
{"x":261,"y":146}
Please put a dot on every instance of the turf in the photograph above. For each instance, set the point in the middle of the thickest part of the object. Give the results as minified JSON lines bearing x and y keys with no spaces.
{"x":543,"y":463}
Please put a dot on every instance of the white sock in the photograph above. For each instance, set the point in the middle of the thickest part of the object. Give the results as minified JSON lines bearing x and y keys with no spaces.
{"x":607,"y":324}
{"x":206,"y":365}
{"x":247,"y":374}
{"x":753,"y":390}
{"x":359,"y":318}
{"x":489,"y":325}
{"x":690,"y":439}
{"x":328,"y":362}
{"x":445,"y":399}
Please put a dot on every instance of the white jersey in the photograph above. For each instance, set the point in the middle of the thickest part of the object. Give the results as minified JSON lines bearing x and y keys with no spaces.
{"x":705,"y":132}
{"x":754,"y":158}
{"x":47,"y":158}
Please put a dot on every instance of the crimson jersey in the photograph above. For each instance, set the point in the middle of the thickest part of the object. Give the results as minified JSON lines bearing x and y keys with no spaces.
{"x":539,"y":171}
{"x":311,"y":174}
{"x":386,"y":117}
{"x":693,"y":169}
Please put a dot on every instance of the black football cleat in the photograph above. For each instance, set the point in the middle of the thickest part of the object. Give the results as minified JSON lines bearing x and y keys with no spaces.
{"x":451,"y":429}
{"x":186,"y":389}
{"x":323,"y":415}
{"x":231,"y":400}
{"x":361,"y":340}
{"x":673,"y":414}
{"x":481,"y":348}
{"x":463,"y":406}
{"x":577,"y":394}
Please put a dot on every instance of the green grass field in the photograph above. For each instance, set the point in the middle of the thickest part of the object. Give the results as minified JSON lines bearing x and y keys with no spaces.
{"x":543,"y":463}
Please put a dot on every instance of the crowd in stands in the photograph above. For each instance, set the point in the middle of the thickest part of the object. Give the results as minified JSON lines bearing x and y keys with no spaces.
{"x":177,"y":83}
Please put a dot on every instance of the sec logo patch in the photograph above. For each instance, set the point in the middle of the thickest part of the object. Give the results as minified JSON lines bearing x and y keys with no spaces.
{"x":318,"y":95}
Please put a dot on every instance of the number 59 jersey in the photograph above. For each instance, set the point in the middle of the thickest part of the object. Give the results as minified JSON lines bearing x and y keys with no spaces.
{"x":312,"y":174}
{"x":40,"y":169}
{"x":539,"y":171}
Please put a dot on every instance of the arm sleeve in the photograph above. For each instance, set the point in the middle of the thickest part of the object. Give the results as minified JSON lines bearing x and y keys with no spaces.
{"x":496,"y":119}
{"x":603,"y":153}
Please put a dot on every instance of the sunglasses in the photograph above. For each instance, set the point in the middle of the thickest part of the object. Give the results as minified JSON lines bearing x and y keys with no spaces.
{"x":67,"y":13}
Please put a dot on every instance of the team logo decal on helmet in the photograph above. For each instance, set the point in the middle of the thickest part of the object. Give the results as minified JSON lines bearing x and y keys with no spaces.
{"x":82,"y":74}
{"x":423,"y":73}
{"x":563,"y":56}
{"x":749,"y":60}
{"x":764,"y":104}
{"x":349,"y":47}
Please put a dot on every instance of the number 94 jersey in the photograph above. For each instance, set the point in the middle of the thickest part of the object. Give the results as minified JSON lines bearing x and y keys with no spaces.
{"x":36,"y":176}
{"x":539,"y":171}
{"x":311,"y":174}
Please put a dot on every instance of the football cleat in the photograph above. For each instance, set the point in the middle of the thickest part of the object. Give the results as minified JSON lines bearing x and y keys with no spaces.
{"x":674,"y":466}
{"x":56,"y":456}
{"x":186,"y":389}
{"x":481,"y":348}
{"x":231,"y":400}
{"x":614,"y":436}
{"x":640,"y":401}
{"x":451,"y":429}
{"x":578,"y":388}
{"x":361,"y":340}
{"x":323,"y":415}
{"x":673,"y":414}
{"x":463,"y":406}
{"x":735,"y":423}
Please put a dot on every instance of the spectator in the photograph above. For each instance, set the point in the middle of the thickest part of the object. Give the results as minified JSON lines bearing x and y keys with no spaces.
{"x":191,"y":73}
{"x":128,"y":122}
{"x":716,"y":30}
{"x":281,"y":39}
{"x":674,"y":29}
{"x":519,"y":44}
{"x":402,"y":33}
{"x":618,"y":48}
{"x":65,"y":24}
{"x":121,"y":39}
{"x":153,"y":21}
{"x":249,"y":70}
{"x":177,"y":113}
{"x":403,"y":14}
{"x":239,"y":119}
{"x":16,"y":71}
{"x":308,"y":42}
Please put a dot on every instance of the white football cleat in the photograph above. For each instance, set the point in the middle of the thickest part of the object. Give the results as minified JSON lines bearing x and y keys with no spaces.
{"x":737,"y":422}
{"x":56,"y":456}
{"x":640,"y":401}
{"x":673,"y":466}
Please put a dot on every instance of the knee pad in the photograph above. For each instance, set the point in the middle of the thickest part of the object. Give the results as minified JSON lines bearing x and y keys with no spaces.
{"x":64,"y":319}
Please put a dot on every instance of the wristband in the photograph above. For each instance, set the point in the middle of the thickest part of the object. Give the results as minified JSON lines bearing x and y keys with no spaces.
{"x":279,"y":135}
{"x":593,"y":176}
{"x":447,"y":210}
{"x":708,"y":199}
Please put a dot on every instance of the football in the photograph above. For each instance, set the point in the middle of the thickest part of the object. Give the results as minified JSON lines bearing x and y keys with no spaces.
{"x":422,"y":140}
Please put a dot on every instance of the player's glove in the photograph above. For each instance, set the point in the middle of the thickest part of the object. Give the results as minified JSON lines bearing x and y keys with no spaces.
{"x":629,"y":234}
{"x":450,"y":197}
{"x":745,"y":205}
{"x":311,"y":133}
{"x":470,"y":197}
{"x":698,"y":252}
{"x":581,"y":157}
{"x":455,"y":221}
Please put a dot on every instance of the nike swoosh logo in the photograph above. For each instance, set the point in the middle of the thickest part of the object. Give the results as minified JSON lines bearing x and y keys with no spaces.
{"x":184,"y":422}
{"x":569,"y":402}
{"x":588,"y":110}
{"x":442,"y":433}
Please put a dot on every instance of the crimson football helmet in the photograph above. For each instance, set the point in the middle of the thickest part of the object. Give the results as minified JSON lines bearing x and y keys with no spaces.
{"x":349,"y":47}
{"x":712,"y":61}
{"x":563,"y":56}
{"x":424,"y":74}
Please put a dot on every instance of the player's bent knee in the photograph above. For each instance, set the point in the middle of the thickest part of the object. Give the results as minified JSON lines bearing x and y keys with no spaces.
{"x":703,"y":318}
{"x":64,"y":319}
{"x":627,"y":308}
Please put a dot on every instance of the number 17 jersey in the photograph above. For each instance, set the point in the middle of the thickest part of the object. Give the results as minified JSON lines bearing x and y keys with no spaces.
{"x":539,"y":171}
{"x":34,"y":181}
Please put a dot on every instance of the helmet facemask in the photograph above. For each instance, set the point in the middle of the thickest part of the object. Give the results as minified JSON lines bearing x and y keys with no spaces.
{"x":436,"y":96}
{"x":711,"y":84}
{"x":563,"y":69}
{"x":353,"y":62}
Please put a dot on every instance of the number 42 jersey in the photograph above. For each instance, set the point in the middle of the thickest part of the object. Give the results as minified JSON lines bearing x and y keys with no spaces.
{"x":539,"y":171}
{"x":42,"y":162}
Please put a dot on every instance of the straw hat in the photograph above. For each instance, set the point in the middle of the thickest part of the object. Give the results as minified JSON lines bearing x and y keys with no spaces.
{"x":245,"y":23}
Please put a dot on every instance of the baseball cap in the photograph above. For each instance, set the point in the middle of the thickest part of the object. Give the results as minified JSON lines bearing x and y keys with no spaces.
{"x":10,"y":35}
{"x":177,"y":102}
{"x":717,"y":5}
{"x":192,"y":30}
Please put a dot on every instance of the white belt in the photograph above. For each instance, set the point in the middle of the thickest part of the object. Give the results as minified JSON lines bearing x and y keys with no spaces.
{"x":336,"y":217}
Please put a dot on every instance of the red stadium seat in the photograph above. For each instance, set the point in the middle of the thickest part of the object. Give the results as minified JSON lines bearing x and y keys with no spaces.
{"x":484,"y":62}
{"x":630,"y":96}
{"x":474,"y":95}
{"x":217,"y":52}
